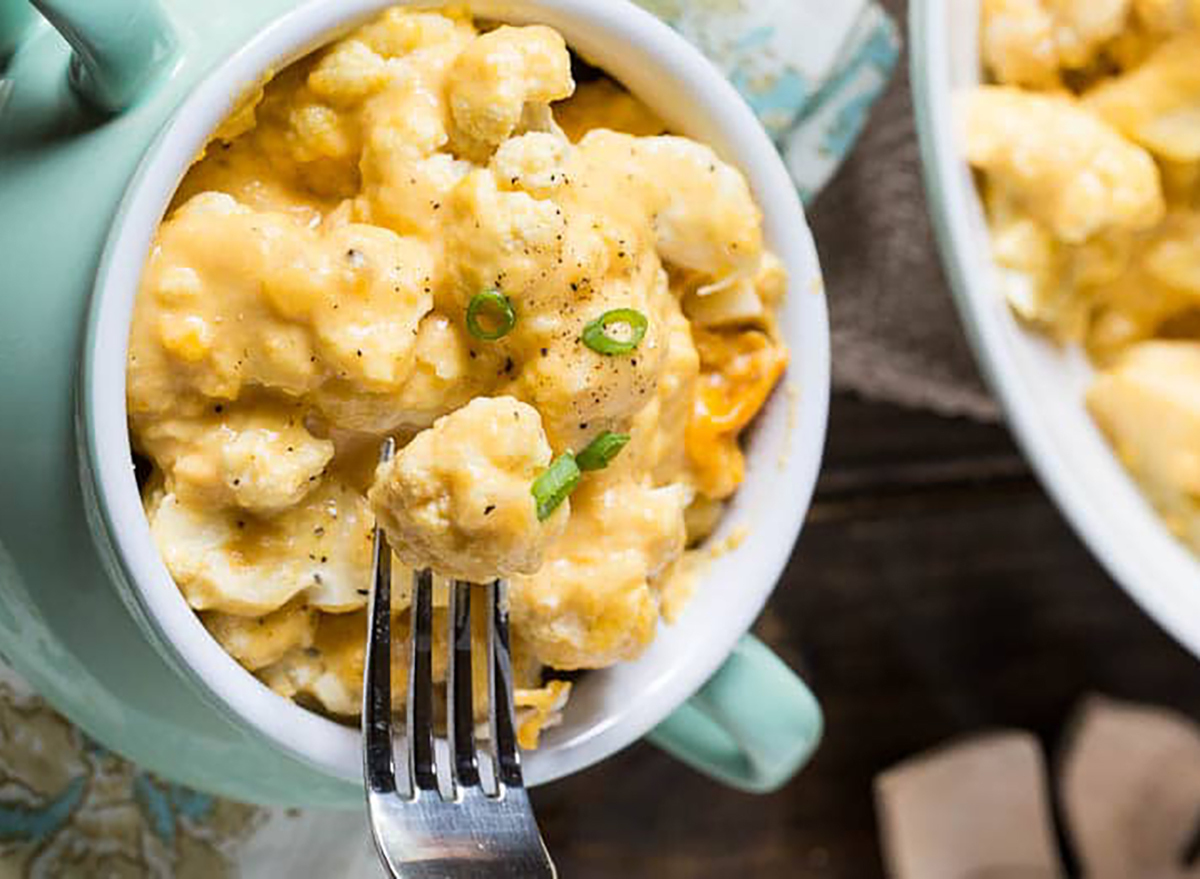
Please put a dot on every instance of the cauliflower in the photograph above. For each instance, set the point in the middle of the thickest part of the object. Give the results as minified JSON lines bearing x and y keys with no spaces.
{"x":1067,"y":168}
{"x":261,"y":459}
{"x":1157,"y":105}
{"x":230,"y":561}
{"x":233,"y":298}
{"x":701,"y":210}
{"x":1025,"y":42}
{"x":257,"y":642}
{"x":459,"y":499}
{"x":500,"y":77}
{"x":1148,"y":404}
{"x":594,"y":603}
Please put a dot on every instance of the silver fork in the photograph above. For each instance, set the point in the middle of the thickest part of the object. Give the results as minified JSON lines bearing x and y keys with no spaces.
{"x":443,"y":821}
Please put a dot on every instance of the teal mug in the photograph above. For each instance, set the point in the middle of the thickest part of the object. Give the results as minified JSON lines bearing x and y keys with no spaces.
{"x":103,"y":105}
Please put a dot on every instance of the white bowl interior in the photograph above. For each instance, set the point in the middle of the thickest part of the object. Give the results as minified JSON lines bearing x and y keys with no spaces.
{"x":1041,"y":385}
{"x":609,"y":709}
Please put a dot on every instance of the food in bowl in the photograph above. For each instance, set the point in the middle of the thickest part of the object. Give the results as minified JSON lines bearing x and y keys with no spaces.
{"x":1087,"y":144}
{"x":563,"y":315}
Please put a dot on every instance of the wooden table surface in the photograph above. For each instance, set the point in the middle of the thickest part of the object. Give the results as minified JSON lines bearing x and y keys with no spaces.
{"x":935,"y":592}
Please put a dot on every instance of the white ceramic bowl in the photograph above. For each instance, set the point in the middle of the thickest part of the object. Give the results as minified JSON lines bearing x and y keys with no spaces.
{"x":1040,"y":385}
{"x":609,"y":709}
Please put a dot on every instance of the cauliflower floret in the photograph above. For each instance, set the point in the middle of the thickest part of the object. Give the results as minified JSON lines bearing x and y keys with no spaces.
{"x":1149,"y":406}
{"x":1018,"y":42}
{"x":1029,"y":262}
{"x":500,"y":77}
{"x":445,"y":376}
{"x":405,"y":180}
{"x":347,"y":73}
{"x":658,"y":431}
{"x":701,"y":210}
{"x":580,"y":391}
{"x":260,"y":458}
{"x":1166,"y":16}
{"x":1084,"y":26}
{"x":230,"y":561}
{"x":594,"y":603}
{"x":1060,"y":163}
{"x":331,"y":671}
{"x":1158,"y":103}
{"x":534,"y":163}
{"x":1026,"y":41}
{"x":459,"y":499}
{"x":401,"y":31}
{"x":499,"y":239}
{"x":232,"y":297}
{"x":256,"y":642}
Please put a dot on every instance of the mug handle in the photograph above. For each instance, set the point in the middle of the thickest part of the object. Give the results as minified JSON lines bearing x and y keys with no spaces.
{"x":121,"y":46}
{"x":752,"y":726}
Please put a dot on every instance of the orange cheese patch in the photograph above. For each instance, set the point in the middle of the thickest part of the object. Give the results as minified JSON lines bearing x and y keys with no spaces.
{"x":738,"y":372}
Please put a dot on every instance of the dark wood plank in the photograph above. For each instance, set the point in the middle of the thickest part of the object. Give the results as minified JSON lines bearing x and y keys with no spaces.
{"x":924,"y":602}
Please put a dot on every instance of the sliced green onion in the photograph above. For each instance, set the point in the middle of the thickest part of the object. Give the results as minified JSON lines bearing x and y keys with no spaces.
{"x":600,"y":451}
{"x":596,"y":335}
{"x":498,"y":312}
{"x":555,"y":485}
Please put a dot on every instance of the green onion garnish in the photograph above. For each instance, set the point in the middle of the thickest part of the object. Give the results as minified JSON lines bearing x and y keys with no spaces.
{"x":498,"y":312}
{"x":600,"y":451}
{"x":596,"y":336}
{"x":555,"y":484}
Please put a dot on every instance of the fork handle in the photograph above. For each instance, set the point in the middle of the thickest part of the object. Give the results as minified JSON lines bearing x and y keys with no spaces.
{"x":752,"y":726}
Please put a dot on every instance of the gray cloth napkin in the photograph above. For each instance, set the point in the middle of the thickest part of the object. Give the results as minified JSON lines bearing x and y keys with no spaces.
{"x":896,"y":334}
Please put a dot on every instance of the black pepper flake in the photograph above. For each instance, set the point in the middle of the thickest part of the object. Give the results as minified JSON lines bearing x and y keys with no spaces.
{"x":218,"y":408}
{"x":583,"y":425}
{"x":241,"y":523}
{"x":489,"y":509}
{"x":291,"y":448}
{"x":359,"y":352}
{"x":319,"y":530}
{"x":473,"y":354}
{"x":237,"y":482}
{"x":324,"y":559}
{"x":317,"y":578}
{"x":362,"y":591}
{"x":508,"y":364}
{"x":545,"y":351}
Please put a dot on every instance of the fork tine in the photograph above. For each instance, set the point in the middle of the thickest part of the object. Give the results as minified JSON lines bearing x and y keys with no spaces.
{"x":379,"y":769}
{"x":500,"y":679}
{"x":460,"y":702}
{"x":422,"y":769}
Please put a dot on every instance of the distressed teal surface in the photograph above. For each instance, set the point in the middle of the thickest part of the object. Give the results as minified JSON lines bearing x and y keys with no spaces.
{"x":811,"y":69}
